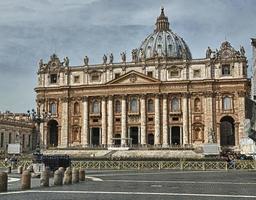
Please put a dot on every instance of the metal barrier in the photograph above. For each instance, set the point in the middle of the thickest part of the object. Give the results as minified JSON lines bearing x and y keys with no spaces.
{"x":175,"y":165}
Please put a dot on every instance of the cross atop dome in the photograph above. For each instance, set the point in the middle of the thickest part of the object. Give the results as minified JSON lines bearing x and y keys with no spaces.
{"x":162,"y":23}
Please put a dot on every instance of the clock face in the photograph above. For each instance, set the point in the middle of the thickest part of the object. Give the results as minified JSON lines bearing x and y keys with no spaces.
{"x":226,"y":54}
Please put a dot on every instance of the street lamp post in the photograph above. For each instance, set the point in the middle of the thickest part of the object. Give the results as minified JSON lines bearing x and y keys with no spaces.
{"x":38,"y":118}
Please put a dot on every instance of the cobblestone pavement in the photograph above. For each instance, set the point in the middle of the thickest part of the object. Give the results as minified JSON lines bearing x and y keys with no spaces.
{"x":149,"y":184}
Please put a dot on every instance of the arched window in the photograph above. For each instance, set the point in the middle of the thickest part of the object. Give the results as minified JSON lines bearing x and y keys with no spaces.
{"x":117,"y":106}
{"x":53,"y":108}
{"x":76,"y":108}
{"x":227,"y":103}
{"x":197,"y":105}
{"x":150,"y":105}
{"x":175,"y":105}
{"x":133,"y":105}
{"x":95,"y":106}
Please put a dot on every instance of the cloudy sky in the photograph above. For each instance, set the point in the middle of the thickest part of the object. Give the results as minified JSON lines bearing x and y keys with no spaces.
{"x":34,"y":29}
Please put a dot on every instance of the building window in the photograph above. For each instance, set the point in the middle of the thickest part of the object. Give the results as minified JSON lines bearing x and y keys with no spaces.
{"x":53,"y":78}
{"x":23,"y":141}
{"x":197,"y":73}
{"x":197,"y":105}
{"x":133,"y":105}
{"x":150,"y":74}
{"x":76,"y":108}
{"x":76,"y":79}
{"x":95,"y":77}
{"x":150,"y":105}
{"x":117,"y":106}
{"x":174,"y":73}
{"x":29,"y":140}
{"x":227,"y":103}
{"x":10,"y":138}
{"x":226,"y":70}
{"x":2,"y":140}
{"x":53,"y":108}
{"x":117,"y":75}
{"x":95,"y":107}
{"x":175,"y":105}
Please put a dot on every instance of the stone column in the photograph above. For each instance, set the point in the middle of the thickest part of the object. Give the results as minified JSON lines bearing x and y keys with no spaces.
{"x":110,"y":120}
{"x":124,"y":125}
{"x":104,"y":122}
{"x":185,"y":118}
{"x":157,"y":121}
{"x":208,"y":120}
{"x":64,"y":123}
{"x":143,"y":119}
{"x":165,"y":121}
{"x":85,"y":124}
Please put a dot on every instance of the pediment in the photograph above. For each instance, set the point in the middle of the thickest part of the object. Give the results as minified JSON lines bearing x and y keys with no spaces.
{"x":133,"y":77}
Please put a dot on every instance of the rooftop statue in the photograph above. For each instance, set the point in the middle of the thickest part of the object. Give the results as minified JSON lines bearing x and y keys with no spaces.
{"x":208,"y":52}
{"x":86,"y":60}
{"x":242,"y":51}
{"x":66,"y":62}
{"x":41,"y":63}
{"x":111,"y":58}
{"x":134,"y":55}
{"x":123,"y":56}
{"x":105,"y":59}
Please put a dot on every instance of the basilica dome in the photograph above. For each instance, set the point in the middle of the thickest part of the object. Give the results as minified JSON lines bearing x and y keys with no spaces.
{"x":164,"y":43}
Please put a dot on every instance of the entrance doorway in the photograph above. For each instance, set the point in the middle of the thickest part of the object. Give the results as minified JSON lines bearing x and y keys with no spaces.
{"x":53,"y":133}
{"x":227,"y":131}
{"x":175,"y":135}
{"x":117,"y":140}
{"x":95,"y":136}
{"x":151,"y":139}
{"x":134,"y":135}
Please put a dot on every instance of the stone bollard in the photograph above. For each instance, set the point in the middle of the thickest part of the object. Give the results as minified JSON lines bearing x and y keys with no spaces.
{"x":9,"y":169}
{"x":44,"y":179}
{"x":25,"y":180}
{"x":75,"y":175}
{"x":20,"y":170}
{"x":57,"y":178}
{"x":62,"y":169}
{"x":81,"y":174}
{"x":67,"y":176}
{"x":3,"y":182}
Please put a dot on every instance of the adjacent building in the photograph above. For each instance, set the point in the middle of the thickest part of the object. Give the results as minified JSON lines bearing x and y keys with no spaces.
{"x":161,"y":98}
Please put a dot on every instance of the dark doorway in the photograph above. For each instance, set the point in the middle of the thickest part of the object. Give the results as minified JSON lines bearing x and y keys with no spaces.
{"x":175,"y":135}
{"x":95,"y":136}
{"x":117,"y":140}
{"x":151,"y":139}
{"x":134,"y":135}
{"x":53,"y":133}
{"x":227,"y":131}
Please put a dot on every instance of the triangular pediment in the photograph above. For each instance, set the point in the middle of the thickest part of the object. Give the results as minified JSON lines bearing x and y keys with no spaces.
{"x":133,"y":77}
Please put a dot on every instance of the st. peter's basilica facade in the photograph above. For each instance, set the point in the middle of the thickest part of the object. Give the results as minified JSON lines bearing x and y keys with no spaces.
{"x":162,"y":98}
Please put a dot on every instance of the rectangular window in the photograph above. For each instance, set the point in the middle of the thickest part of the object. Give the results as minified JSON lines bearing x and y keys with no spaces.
{"x":117,"y":75}
{"x":23,"y":141}
{"x":174,"y":73}
{"x":225,"y":70}
{"x":95,"y":77}
{"x":197,"y":73}
{"x":150,"y":74}
{"x":10,"y":138}
{"x":2,"y":140}
{"x":29,"y":140}
{"x":118,"y":120}
{"x":76,"y":79}
{"x":53,"y":78}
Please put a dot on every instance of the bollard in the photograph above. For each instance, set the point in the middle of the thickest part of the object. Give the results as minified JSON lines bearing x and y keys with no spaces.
{"x":3,"y":181}
{"x":57,"y":178}
{"x":44,"y":179}
{"x":62,"y":169}
{"x":9,"y":169}
{"x":20,"y":170}
{"x":25,"y":180}
{"x":81,"y":174}
{"x":67,"y":176}
{"x":75,"y":175}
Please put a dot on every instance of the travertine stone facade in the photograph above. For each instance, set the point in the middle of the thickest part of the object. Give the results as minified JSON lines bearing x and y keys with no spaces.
{"x":161,"y":98}
{"x":16,"y":128}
